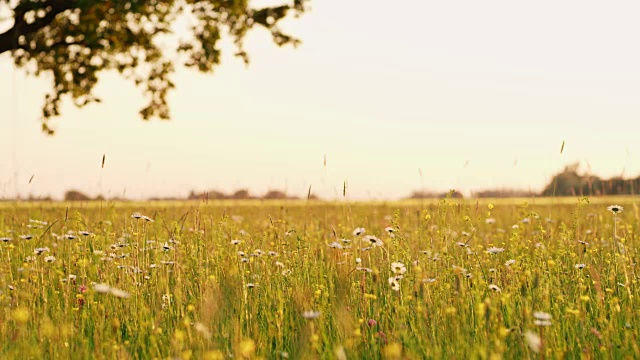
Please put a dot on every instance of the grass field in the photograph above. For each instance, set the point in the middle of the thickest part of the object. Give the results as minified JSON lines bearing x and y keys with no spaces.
{"x":455,"y":279}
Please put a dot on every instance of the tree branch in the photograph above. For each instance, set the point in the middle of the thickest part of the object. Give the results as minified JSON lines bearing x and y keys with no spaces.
{"x":9,"y":39}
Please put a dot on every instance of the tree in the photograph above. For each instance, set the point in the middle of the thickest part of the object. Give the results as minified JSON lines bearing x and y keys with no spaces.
{"x":75,"y":40}
{"x":75,"y":195}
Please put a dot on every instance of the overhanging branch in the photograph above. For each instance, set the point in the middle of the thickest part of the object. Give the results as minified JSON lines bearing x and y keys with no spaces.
{"x":9,"y":39}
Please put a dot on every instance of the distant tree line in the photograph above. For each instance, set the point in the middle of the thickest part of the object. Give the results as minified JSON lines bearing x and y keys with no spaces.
{"x":422,"y":194}
{"x":75,"y":195}
{"x":570,"y":182}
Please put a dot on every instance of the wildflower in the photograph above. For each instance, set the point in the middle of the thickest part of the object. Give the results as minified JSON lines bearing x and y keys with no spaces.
{"x":244,"y":260}
{"x":39,"y":251}
{"x":119,"y":293}
{"x":494,"y":250}
{"x":495,"y":288}
{"x":374,"y":241}
{"x":50,"y":259}
{"x":615,"y":209}
{"x":358,"y":231}
{"x":235,"y":242}
{"x":533,"y":340}
{"x":70,"y":237}
{"x":395,"y":284}
{"x":391,"y":231}
{"x":515,"y":227}
{"x":202,"y":329}
{"x":273,"y":253}
{"x":398,"y":268}
{"x":541,"y":315}
{"x":365,"y":269}
{"x":526,"y":220}
{"x":583,"y":242}
{"x":429,"y":280}
{"x":241,"y":253}
{"x":257,"y":252}
{"x":490,"y":221}
{"x":279,"y":264}
{"x":5,"y":239}
{"x":310,"y":314}
{"x":137,"y":215}
{"x":85,"y":233}
{"x":101,"y":288}
{"x":542,"y":318}
{"x":358,"y":260}
{"x":26,"y":237}
{"x":286,"y":272}
{"x":251,"y":285}
{"x":335,"y":245}
{"x":237,"y":218}
{"x":167,"y":262}
{"x":346,"y":241}
{"x":461,"y":244}
{"x":542,"y":322}
{"x":166,"y":247}
{"x":580,"y":266}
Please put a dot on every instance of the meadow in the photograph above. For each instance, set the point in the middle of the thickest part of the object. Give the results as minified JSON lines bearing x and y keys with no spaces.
{"x":449,"y":278}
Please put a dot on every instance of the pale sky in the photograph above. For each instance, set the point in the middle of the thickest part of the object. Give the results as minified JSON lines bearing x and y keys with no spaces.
{"x":476,"y":94}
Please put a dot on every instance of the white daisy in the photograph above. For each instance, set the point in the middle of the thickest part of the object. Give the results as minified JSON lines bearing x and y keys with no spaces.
{"x":394,"y":283}
{"x":398,"y":268}
{"x":494,"y":250}
{"x":310,"y":314}
{"x":615,"y":209}
{"x":374,"y":241}
{"x":533,"y":340}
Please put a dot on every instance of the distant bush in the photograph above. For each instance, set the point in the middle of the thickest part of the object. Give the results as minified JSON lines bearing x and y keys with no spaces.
{"x":75,"y":195}
{"x":433,"y":195}
{"x":503,"y":193}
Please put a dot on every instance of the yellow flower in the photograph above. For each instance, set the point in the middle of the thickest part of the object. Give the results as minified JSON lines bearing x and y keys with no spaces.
{"x":21,"y":315}
{"x":392,"y":351}
{"x":247,"y":348}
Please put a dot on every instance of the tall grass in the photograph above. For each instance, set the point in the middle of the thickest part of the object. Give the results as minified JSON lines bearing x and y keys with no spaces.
{"x":481,"y":281}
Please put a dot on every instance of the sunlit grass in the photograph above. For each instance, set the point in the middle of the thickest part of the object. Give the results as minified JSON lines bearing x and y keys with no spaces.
{"x":453,"y":278}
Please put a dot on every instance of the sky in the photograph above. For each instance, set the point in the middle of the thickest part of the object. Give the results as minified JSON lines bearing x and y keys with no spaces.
{"x":397,"y":96}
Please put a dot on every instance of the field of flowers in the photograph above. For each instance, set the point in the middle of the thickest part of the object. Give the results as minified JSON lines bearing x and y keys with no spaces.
{"x":453,"y":279}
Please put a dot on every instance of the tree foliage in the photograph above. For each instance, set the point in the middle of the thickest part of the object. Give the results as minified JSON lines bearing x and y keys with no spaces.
{"x":75,"y":40}
{"x":570,"y":182}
